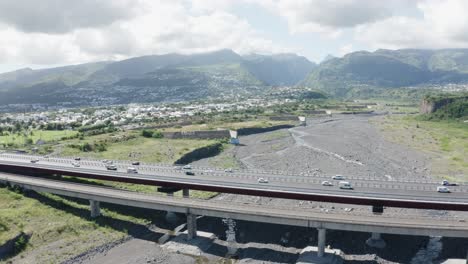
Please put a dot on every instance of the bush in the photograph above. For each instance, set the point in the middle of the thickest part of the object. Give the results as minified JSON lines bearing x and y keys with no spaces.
{"x":147,"y":133}
{"x":158,"y":134}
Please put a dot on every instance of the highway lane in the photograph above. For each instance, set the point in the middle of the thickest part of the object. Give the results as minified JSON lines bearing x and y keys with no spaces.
{"x":246,"y":173}
{"x":212,"y":183}
{"x":289,"y":179}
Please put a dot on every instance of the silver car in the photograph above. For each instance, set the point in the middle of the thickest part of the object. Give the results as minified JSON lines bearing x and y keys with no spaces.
{"x":338,"y":177}
{"x":327,"y":183}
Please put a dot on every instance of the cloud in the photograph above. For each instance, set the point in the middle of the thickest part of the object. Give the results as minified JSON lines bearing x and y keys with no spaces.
{"x":443,"y":24}
{"x":343,"y":50}
{"x":58,"y":16}
{"x":333,"y":15}
{"x":160,"y":26}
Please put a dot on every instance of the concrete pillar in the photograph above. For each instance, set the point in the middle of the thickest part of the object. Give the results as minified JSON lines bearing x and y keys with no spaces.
{"x":376,"y":241}
{"x":321,"y":242}
{"x":171,"y":217}
{"x":95,"y":208}
{"x":191,"y":226}
{"x":185,"y":193}
{"x":231,"y":237}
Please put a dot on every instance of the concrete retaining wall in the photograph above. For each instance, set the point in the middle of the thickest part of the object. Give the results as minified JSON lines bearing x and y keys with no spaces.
{"x":201,"y":134}
{"x":256,"y":130}
{"x":284,"y":118}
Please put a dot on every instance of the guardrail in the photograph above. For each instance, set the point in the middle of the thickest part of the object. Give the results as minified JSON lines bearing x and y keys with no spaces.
{"x":226,"y":187}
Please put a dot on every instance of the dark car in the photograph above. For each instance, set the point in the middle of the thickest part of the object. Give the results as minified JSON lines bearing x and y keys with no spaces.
{"x":136,"y":163}
{"x":77,"y":158}
{"x":189,"y":173}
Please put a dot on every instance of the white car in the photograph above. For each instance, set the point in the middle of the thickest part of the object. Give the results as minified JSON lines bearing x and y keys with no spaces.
{"x":338,"y":177}
{"x":131,"y":170}
{"x":443,"y":189}
{"x":187,"y":167}
{"x":76,"y":164}
{"x":262,"y":180}
{"x":345,"y":185}
{"x":327,"y":183}
{"x":228,"y":170}
{"x":111,"y":167}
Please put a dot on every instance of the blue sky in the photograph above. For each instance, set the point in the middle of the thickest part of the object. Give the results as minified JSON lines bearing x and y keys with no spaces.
{"x":50,"y":33}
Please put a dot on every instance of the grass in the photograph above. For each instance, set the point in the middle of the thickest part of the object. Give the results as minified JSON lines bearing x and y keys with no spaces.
{"x":446,"y":142}
{"x":20,"y":139}
{"x":147,"y":150}
{"x":143,"y":149}
{"x":60,"y":228}
{"x":229,"y":125}
{"x":225,"y":159}
{"x":275,"y":135}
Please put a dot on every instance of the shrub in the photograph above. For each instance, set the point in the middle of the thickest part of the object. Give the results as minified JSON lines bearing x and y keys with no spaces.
{"x":158,"y":134}
{"x":147,"y":133}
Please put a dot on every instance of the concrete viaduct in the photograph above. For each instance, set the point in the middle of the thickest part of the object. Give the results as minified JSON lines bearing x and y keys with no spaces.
{"x":375,"y":224}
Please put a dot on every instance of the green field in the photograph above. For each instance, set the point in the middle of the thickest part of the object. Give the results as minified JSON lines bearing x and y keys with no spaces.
{"x":20,"y":139}
{"x":230,"y":125}
{"x":446,"y":142}
{"x":139,"y":148}
{"x":61,"y":228}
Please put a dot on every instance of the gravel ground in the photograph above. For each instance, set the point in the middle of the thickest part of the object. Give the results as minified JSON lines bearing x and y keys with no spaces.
{"x":348,"y":145}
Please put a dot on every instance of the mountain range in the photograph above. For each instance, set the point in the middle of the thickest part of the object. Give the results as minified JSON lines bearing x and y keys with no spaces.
{"x":224,"y":73}
{"x":389,"y":69}
{"x":169,"y":77}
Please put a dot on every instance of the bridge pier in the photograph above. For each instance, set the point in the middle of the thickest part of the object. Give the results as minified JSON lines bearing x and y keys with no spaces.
{"x":171,"y":217}
{"x":322,"y":232}
{"x":376,"y":241}
{"x":95,"y":208}
{"x":191,"y":226}
{"x":186,"y":193}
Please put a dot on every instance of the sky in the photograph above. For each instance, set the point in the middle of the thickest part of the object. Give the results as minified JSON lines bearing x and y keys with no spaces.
{"x":50,"y":33}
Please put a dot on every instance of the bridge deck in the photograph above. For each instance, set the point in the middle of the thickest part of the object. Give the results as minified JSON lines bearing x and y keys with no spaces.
{"x":373,"y":223}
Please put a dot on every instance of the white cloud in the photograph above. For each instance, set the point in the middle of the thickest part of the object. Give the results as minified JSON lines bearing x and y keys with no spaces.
{"x":331,"y":16}
{"x":345,"y":49}
{"x":156,"y":27}
{"x":58,"y":16}
{"x":443,"y":25}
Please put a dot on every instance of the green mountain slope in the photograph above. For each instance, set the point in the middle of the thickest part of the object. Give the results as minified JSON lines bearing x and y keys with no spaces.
{"x":389,"y":69}
{"x":168,"y":77}
{"x":280,"y":69}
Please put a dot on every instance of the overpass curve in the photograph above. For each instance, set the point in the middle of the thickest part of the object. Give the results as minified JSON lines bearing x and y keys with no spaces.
{"x":304,"y":218}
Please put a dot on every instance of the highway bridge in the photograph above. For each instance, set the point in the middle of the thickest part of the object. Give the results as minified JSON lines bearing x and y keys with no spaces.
{"x":397,"y":192}
{"x":193,"y":207}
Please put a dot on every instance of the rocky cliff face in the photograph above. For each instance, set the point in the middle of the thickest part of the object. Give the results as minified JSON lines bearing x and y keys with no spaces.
{"x":429,"y":106}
